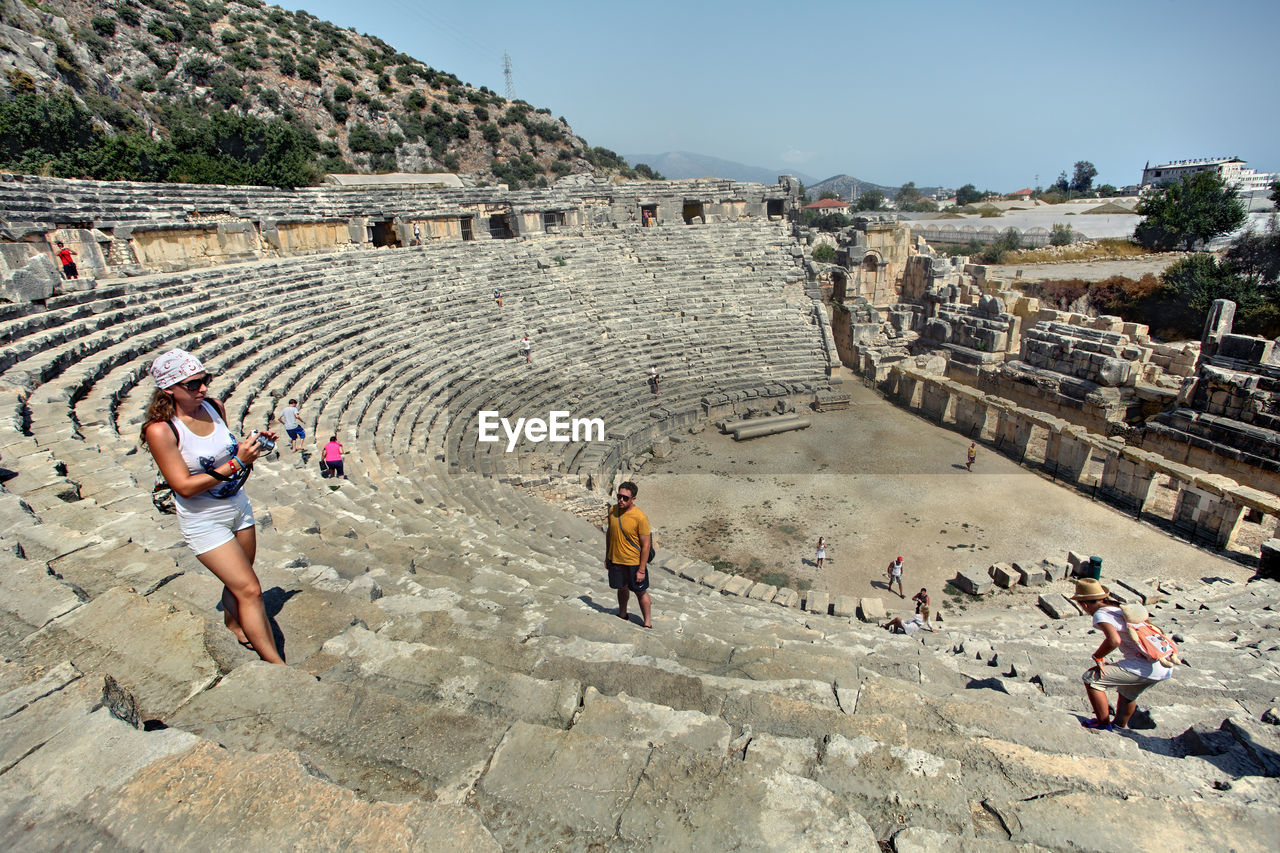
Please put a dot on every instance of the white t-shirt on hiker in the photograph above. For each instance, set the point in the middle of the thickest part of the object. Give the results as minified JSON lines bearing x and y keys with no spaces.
{"x":1132,"y":659}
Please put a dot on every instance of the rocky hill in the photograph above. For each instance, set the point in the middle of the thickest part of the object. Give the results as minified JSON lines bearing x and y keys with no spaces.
{"x":145,"y":67}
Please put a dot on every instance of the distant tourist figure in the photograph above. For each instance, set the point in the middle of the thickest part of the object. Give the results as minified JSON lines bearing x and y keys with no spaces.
{"x":497,"y":296}
{"x":526,"y":346}
{"x":973,"y":456}
{"x":654,"y":379}
{"x":206,"y":467}
{"x":896,"y":625}
{"x":626,"y":555}
{"x":68,"y":265}
{"x":895,"y":576}
{"x":293,"y":428}
{"x":417,"y":234}
{"x":822,"y":552}
{"x":921,"y":599}
{"x":1130,"y":675}
{"x":333,"y":459}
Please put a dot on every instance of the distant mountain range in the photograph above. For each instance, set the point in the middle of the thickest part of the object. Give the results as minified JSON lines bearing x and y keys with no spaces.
{"x":676,"y":165}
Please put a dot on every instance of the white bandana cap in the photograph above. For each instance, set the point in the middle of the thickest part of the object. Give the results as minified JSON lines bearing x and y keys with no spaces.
{"x":175,"y":366}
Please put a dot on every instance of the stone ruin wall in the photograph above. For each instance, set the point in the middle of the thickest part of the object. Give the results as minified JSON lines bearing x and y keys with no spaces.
{"x":1069,"y":388}
{"x":119,"y":228}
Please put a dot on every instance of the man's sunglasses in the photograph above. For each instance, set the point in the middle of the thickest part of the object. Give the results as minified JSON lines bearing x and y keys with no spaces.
{"x":624,"y":497}
{"x":193,"y":385}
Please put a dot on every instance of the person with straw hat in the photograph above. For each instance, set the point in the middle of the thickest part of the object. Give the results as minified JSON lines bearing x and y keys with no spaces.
{"x":1130,"y":675}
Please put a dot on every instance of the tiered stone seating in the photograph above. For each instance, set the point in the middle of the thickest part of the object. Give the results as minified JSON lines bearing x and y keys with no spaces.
{"x":457,"y":677}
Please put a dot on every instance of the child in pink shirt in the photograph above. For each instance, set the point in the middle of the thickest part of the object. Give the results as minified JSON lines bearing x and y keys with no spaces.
{"x":333,"y":458}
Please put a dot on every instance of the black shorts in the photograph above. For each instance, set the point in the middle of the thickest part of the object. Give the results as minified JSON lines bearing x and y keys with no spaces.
{"x":620,"y":576}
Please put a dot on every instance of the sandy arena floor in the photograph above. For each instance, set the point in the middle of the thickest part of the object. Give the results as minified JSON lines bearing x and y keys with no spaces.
{"x":877,"y":481}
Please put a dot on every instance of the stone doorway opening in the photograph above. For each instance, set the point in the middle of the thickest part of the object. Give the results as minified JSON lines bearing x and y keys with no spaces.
{"x":693,"y":212}
{"x":383,"y":233}
{"x":648,"y":214}
{"x":500,"y":226}
{"x":464,"y":226}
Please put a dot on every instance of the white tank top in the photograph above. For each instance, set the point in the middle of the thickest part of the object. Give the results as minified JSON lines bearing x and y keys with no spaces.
{"x":202,"y":452}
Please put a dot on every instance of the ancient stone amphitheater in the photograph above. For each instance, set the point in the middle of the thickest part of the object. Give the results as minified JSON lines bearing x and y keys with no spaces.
{"x":457,"y":681}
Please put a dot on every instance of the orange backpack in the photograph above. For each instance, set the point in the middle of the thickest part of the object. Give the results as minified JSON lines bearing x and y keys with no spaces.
{"x":1151,"y":641}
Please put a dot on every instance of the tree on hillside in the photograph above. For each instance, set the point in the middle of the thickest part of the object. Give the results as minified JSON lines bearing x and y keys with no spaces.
{"x":908,"y":194}
{"x":968,"y":194}
{"x":870,"y":200}
{"x":826,"y":194}
{"x":1062,"y":185}
{"x":1082,"y":177}
{"x":1188,"y":212}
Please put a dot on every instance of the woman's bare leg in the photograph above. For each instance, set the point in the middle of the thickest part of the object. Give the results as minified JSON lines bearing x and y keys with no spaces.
{"x":233,"y":566}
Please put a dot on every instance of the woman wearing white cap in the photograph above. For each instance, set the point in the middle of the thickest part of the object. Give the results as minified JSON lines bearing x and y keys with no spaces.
{"x":206,"y":467}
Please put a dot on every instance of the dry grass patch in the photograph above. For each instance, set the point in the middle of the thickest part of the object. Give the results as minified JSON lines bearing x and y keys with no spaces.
{"x":1094,"y":250}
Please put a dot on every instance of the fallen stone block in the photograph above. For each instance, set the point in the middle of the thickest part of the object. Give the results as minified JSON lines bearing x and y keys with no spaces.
{"x":737,"y":585}
{"x":817,"y":601}
{"x":787,"y":597}
{"x":763,"y":592}
{"x":1034,"y":576}
{"x":1057,"y":605}
{"x":695,"y":571}
{"x":1075,"y":560}
{"x":1004,"y":575}
{"x":844,"y":605}
{"x":1146,"y":593}
{"x":972,"y":583}
{"x":715,"y":579}
{"x":871,"y":610}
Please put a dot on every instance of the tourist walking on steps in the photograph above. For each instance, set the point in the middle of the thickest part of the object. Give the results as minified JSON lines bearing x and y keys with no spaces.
{"x":293,"y":428}
{"x":654,"y":379}
{"x":822,"y":552}
{"x":895,"y":576}
{"x":973,"y":456}
{"x":626,"y":554}
{"x":68,"y":265}
{"x":1130,"y":675}
{"x":333,"y":459}
{"x":526,"y":346}
{"x":417,"y":234}
{"x":206,"y":467}
{"x":497,"y":296}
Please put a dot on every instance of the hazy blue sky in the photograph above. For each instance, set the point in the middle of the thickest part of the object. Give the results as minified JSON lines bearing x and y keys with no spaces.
{"x":990,"y":93}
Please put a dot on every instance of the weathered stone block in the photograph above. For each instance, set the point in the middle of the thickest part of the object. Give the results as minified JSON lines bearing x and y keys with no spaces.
{"x":763,"y":592}
{"x":844,"y":605}
{"x":1146,"y":593}
{"x":737,"y":585}
{"x":1032,"y":576}
{"x":871,"y":609}
{"x":1057,"y":605}
{"x":972,"y":583}
{"x":1004,"y":575}
{"x":1269,"y":561}
{"x":817,"y":601}
{"x":787,"y":597}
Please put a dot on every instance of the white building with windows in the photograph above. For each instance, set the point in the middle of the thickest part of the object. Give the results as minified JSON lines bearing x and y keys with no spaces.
{"x":1231,"y":169}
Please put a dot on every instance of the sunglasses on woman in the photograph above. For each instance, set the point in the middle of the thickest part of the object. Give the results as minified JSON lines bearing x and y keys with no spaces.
{"x":193,"y":385}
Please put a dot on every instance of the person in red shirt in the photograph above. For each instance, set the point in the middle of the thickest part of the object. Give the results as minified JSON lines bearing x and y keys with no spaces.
{"x":68,"y":265}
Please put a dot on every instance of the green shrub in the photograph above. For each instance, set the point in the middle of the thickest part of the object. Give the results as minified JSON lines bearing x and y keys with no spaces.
{"x":103,"y":26}
{"x":1061,"y":235}
{"x":824,"y":253}
{"x":309,"y":69}
{"x":129,"y":14}
{"x":342,"y":93}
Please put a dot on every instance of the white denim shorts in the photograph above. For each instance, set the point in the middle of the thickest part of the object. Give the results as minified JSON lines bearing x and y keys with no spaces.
{"x":216,"y":524}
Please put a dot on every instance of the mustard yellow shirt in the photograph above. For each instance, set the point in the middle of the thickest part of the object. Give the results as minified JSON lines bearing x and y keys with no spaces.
{"x":625,"y":531}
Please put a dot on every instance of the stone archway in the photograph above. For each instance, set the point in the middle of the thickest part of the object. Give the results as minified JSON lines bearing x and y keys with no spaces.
{"x":869,"y":276}
{"x":839,"y":285}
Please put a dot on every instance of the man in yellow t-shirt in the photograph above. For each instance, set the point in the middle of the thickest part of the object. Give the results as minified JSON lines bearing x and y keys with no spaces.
{"x":626,"y":552}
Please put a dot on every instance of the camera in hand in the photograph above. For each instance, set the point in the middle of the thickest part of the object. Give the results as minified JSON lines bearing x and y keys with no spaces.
{"x":265,"y":443}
